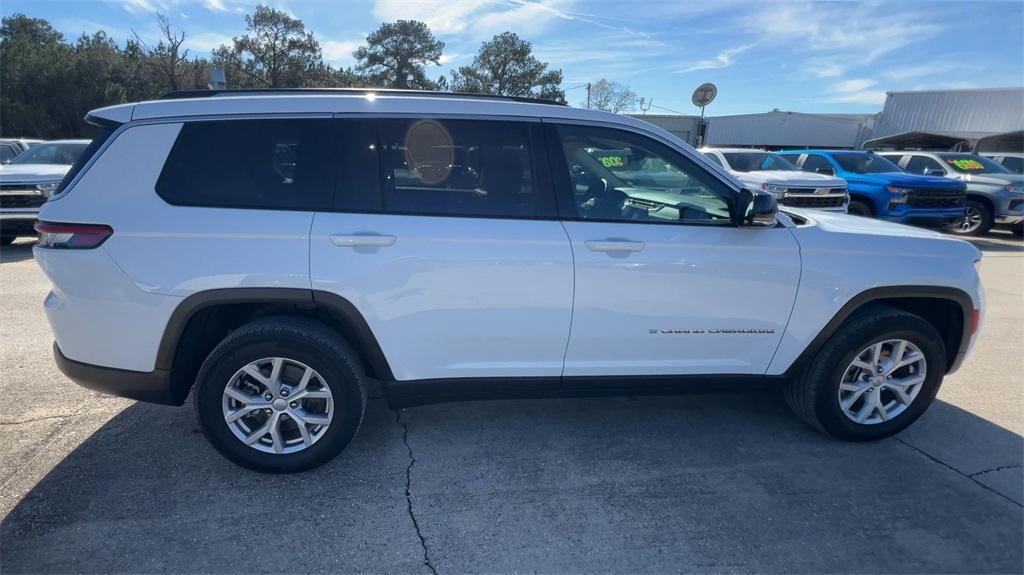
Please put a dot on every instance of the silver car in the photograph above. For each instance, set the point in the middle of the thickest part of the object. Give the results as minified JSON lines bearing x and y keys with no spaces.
{"x":28,"y":180}
{"x":995,"y":195}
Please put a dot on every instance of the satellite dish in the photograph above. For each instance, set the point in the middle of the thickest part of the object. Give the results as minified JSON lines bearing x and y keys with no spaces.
{"x":704,"y":94}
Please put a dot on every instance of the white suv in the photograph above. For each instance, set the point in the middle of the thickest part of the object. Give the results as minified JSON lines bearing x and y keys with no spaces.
{"x":273,"y":253}
{"x":792,"y":187}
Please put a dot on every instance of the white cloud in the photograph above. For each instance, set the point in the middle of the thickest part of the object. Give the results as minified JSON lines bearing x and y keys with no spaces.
{"x":206,"y":41}
{"x":442,"y":16}
{"x":921,"y":71}
{"x":854,"y":85}
{"x":863,"y":31}
{"x":141,"y":6}
{"x":724,"y":59}
{"x":339,"y":52}
{"x":215,"y":6}
{"x":448,"y":58}
{"x":861,"y":97}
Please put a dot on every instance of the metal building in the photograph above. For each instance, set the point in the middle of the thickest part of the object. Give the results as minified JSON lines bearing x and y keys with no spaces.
{"x":770,"y":130}
{"x":950,"y":119}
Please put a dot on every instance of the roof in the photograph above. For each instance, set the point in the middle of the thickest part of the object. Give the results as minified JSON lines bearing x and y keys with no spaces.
{"x":181,"y":94}
{"x":1010,"y":142}
{"x":354,"y":102}
{"x":940,"y":141}
{"x":79,"y":141}
{"x":967,"y":113}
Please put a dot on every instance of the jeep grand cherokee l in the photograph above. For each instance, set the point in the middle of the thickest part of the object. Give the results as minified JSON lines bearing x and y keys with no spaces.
{"x":273,"y":253}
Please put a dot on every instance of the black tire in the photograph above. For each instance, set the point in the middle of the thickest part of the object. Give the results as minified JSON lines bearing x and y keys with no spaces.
{"x":7,"y":240}
{"x":814,"y":395}
{"x":295,"y":338}
{"x":1018,"y":229}
{"x":985,"y":220}
{"x":859,"y":207}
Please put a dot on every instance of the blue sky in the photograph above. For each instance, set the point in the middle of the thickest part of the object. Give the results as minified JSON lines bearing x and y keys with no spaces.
{"x":798,"y":55}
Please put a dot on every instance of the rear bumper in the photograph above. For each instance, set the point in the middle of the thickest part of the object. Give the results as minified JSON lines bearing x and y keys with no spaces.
{"x":153,"y":386}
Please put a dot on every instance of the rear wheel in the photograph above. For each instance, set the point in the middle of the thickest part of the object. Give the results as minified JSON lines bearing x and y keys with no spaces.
{"x":861,"y":208}
{"x":978,"y":220}
{"x":873,"y":378}
{"x":281,"y":395}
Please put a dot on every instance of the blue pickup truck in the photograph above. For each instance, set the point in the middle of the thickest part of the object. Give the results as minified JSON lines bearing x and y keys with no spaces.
{"x":879,"y":188}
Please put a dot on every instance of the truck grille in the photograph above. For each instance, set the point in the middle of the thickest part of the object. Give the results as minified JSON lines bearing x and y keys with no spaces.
{"x":20,"y":196}
{"x":936,"y":199}
{"x":810,"y":198}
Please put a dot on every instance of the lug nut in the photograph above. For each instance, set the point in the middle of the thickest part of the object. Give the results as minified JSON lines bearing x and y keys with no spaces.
{"x":294,"y":404}
{"x":267,"y":411}
{"x":268,"y":397}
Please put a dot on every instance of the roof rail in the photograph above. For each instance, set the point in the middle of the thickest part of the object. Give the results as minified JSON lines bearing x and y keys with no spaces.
{"x":181,"y":94}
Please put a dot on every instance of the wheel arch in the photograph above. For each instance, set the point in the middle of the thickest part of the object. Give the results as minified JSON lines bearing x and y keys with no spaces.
{"x":949,"y":310}
{"x":203,"y":319}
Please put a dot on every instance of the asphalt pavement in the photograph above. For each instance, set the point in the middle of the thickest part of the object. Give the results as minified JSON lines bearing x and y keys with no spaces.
{"x":697,"y":483}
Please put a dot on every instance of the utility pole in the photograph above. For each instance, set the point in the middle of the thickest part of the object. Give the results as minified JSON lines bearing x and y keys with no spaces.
{"x":645,"y":105}
{"x":588,"y":95}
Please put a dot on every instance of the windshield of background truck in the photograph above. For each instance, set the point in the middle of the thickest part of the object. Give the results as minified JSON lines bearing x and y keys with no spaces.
{"x":865,"y":163}
{"x":971,"y":164}
{"x":758,"y":162}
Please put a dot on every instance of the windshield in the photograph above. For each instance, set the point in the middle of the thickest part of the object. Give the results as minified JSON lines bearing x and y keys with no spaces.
{"x":758,"y":162}
{"x":971,"y":164}
{"x":58,"y":154}
{"x":865,"y":163}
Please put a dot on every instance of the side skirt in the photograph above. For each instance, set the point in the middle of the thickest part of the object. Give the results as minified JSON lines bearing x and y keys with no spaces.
{"x":411,"y":393}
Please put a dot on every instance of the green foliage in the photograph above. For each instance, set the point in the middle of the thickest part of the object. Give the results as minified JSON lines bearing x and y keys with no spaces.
{"x":506,"y":66}
{"x":277,"y":52}
{"x":395,"y":56}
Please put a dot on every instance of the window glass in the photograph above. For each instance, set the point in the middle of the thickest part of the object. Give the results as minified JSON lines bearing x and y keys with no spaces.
{"x":1015,"y":165}
{"x":816,"y":163}
{"x":102,"y":134}
{"x":862,"y":163}
{"x":922,"y":164}
{"x":54,"y":154}
{"x":7,"y":154}
{"x":713,"y":158}
{"x":270,"y":164}
{"x":758,"y":162}
{"x":617,"y":175}
{"x":791,"y":158}
{"x":459,"y":167}
{"x":972,"y":164}
{"x":356,"y":156}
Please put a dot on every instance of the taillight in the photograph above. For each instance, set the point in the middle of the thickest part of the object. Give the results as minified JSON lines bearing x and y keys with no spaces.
{"x":72,"y":236}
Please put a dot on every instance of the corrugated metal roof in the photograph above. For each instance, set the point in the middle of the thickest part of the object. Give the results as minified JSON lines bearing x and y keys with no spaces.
{"x":776,"y":129}
{"x":984,"y":111}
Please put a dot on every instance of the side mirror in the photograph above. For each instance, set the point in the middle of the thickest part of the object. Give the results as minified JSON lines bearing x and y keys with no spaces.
{"x":825,"y":171}
{"x":756,"y":209}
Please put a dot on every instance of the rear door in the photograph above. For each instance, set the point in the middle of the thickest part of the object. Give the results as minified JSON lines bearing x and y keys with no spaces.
{"x":665,"y":284}
{"x":444,"y":236}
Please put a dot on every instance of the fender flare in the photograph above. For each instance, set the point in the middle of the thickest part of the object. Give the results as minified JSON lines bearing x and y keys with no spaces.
{"x":357,"y":330}
{"x":959,"y":296}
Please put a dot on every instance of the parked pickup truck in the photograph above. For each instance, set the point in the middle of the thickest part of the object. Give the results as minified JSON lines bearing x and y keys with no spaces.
{"x":29,"y":180}
{"x":767,"y":171}
{"x":995,"y":195}
{"x":879,"y":188}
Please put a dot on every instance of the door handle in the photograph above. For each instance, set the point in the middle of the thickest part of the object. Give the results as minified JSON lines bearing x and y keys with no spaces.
{"x":362,"y":240}
{"x":614,"y":246}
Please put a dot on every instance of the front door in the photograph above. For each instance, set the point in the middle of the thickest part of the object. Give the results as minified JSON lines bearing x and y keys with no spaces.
{"x":665,"y":283}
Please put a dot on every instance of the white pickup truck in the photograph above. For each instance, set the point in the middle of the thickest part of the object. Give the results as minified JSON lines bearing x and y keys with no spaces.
{"x":792,"y":187}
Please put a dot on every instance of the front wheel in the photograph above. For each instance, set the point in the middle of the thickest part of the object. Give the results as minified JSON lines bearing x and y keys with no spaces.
{"x":978,"y":220}
{"x":281,"y":394}
{"x":873,"y":377}
{"x":860,"y":208}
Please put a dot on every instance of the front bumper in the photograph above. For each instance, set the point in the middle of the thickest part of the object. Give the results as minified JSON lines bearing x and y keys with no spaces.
{"x":153,"y":386}
{"x":1009,"y":208}
{"x":18,"y":221}
{"x":927,"y":216}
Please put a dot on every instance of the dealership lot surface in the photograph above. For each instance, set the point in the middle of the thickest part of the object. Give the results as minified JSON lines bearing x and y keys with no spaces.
{"x":694,"y":483}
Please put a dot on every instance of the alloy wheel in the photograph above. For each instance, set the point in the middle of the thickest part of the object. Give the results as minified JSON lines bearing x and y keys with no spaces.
{"x":882,"y":381}
{"x":971,"y":221}
{"x":277,"y":405}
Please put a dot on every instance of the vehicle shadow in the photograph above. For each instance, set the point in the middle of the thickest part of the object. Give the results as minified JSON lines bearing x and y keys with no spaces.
{"x":19,"y":251}
{"x":689,"y":483}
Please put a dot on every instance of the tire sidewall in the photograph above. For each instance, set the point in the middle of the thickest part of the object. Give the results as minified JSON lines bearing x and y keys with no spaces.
{"x":859,"y":208}
{"x":218,"y":370}
{"x":909,"y":328}
{"x":987,"y":220}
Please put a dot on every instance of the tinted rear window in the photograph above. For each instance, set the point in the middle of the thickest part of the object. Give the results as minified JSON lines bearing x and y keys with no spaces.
{"x":271,"y":164}
{"x":459,"y":167}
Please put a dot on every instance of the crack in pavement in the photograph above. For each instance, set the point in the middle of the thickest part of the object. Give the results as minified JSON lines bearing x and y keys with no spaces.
{"x":1000,"y":468}
{"x":408,"y":493}
{"x":35,"y":419}
{"x":961,"y":473}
